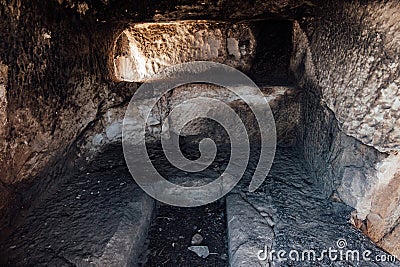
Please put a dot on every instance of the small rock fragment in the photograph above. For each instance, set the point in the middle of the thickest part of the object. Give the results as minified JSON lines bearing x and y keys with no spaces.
{"x":197,"y":239}
{"x":201,"y":251}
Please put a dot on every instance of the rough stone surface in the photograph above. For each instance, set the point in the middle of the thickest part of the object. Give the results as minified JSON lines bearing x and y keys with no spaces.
{"x":117,"y":10}
{"x":348,"y":67}
{"x":283,"y":100}
{"x":359,"y":175}
{"x":290,"y":212}
{"x":59,"y":105}
{"x":355,"y":48}
{"x":247,"y":230}
{"x":97,"y":217}
{"x":261,"y":49}
{"x":3,"y":102}
{"x":63,"y":105}
{"x":146,"y":49}
{"x":4,"y":194}
{"x":54,"y":96}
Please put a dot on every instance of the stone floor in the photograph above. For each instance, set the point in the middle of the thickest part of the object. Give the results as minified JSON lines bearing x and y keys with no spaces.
{"x":288,"y":213}
{"x":172,"y":231}
{"x":84,"y":221}
{"x":100,"y":217}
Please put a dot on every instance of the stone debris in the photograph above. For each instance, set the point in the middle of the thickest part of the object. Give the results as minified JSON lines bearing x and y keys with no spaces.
{"x":197,"y":239}
{"x":201,"y":251}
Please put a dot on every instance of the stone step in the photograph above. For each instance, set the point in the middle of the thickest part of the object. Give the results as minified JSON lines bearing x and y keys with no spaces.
{"x":98,"y":217}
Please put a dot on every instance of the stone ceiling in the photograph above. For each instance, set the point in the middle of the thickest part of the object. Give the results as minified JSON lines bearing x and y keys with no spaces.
{"x":121,"y":10}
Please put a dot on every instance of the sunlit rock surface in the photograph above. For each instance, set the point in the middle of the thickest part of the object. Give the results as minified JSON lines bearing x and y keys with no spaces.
{"x":145,"y":49}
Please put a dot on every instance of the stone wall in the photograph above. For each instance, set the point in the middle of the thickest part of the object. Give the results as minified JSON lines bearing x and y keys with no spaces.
{"x":347,"y":60}
{"x":52,"y":92}
{"x":4,"y":194}
{"x":61,"y":104}
{"x":283,"y":100}
{"x":260,"y":49}
{"x":145,"y":49}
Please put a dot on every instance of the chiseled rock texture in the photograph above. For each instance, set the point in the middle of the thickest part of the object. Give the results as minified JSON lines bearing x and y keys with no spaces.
{"x":145,"y":49}
{"x":260,"y":49}
{"x":167,"y":115}
{"x":60,"y":103}
{"x":361,"y":42}
{"x":347,"y":59}
{"x":4,"y":194}
{"x":53,"y":91}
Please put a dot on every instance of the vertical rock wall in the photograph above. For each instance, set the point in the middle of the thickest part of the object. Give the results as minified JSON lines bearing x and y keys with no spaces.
{"x":59,"y":103}
{"x":53,"y":90}
{"x":4,"y":194}
{"x":347,"y":60}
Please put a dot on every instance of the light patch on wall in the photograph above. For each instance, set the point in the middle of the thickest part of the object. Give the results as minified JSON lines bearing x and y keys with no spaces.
{"x":144,"y":49}
{"x":83,"y":8}
{"x":233,"y":47}
{"x":3,"y":97}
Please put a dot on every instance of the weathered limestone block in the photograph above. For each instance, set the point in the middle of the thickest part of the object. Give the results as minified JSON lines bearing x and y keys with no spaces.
{"x":284,"y":103}
{"x":247,"y":231}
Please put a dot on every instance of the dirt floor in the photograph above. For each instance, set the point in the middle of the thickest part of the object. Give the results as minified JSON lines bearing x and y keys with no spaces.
{"x":172,"y":231}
